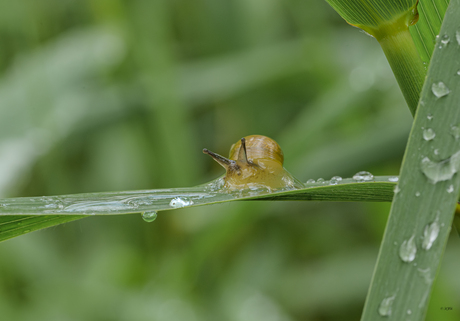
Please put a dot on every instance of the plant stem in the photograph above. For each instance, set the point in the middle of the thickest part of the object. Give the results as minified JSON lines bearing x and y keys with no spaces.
{"x":407,"y":66}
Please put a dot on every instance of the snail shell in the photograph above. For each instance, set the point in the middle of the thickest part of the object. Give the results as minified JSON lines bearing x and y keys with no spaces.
{"x":255,"y":162}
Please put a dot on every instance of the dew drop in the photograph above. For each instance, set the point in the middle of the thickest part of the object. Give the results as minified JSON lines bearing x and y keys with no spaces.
{"x":458,"y":72}
{"x":436,"y":151}
{"x":440,"y":89}
{"x":440,"y":171}
{"x":428,"y":134}
{"x":335,"y":180}
{"x":429,"y":117}
{"x":396,"y":190}
{"x":425,"y":274}
{"x":310,"y":181}
{"x":417,"y":194}
{"x":430,"y":234}
{"x":408,"y":250}
{"x":320,"y":180}
{"x":445,"y":40}
{"x":363,"y":176}
{"x":457,"y":35}
{"x":179,"y":202}
{"x":450,"y":189}
{"x":149,"y":216}
{"x":385,"y":306}
{"x":455,"y":131}
{"x":393,"y":178}
{"x":409,"y":312}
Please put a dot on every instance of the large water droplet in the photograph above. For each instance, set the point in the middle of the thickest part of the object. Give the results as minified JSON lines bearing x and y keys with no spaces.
{"x":149,"y":216}
{"x":393,"y":178}
{"x":310,"y":181}
{"x":429,"y":117}
{"x":430,"y":234}
{"x":385,"y":306}
{"x":335,"y":180}
{"x":396,"y":190}
{"x":180,"y":202}
{"x":441,"y":171}
{"x":363,"y":176}
{"x":455,"y":131}
{"x":439,"y":89}
{"x":428,"y":134}
{"x":458,"y":72}
{"x":320,"y":180}
{"x":450,"y":189}
{"x":408,"y":250}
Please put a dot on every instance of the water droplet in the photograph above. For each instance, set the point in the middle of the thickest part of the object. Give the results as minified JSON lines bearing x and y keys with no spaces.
{"x":396,"y":190}
{"x":436,"y":151}
{"x":408,"y":250}
{"x":320,"y":180}
{"x":310,"y":181}
{"x":430,"y":234}
{"x":179,"y":202}
{"x":426,"y":275}
{"x":428,"y":134}
{"x":450,"y":189}
{"x":455,"y":131}
{"x":363,"y":176}
{"x":440,"y":89}
{"x":409,"y":312}
{"x":385,"y":306}
{"x":441,"y":171}
{"x":458,"y":72}
{"x":445,"y":40}
{"x":149,"y":216}
{"x":393,"y":178}
{"x":429,"y":117}
{"x":457,"y":35}
{"x":335,"y":180}
{"x":417,"y":194}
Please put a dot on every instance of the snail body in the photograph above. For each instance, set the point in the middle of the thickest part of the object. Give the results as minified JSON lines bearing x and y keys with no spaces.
{"x":255,"y":162}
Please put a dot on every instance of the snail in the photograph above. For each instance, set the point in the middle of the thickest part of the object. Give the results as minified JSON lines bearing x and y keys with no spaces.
{"x":255,"y":162}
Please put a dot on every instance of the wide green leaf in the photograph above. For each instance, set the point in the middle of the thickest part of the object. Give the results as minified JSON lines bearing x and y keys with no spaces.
{"x":388,"y":22}
{"x":424,"y":32}
{"x":423,"y":209}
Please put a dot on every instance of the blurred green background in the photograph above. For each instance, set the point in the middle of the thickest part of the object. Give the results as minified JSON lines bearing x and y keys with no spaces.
{"x":107,"y":95}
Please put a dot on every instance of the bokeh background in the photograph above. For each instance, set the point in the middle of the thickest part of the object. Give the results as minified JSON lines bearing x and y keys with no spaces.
{"x":107,"y":95}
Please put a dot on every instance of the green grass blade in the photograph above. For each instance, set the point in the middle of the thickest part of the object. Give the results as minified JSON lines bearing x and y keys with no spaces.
{"x":431,"y":13}
{"x":421,"y":207}
{"x":22,"y":215}
{"x":16,"y":225}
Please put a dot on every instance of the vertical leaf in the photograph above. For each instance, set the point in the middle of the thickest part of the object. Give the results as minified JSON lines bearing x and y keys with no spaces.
{"x":422,"y":210}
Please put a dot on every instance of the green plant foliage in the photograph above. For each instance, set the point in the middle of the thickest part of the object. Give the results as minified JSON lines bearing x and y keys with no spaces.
{"x":388,"y":22}
{"x":371,"y":15}
{"x":423,"y":209}
{"x":47,"y":211}
{"x":424,"y":32}
{"x":287,"y":69}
